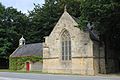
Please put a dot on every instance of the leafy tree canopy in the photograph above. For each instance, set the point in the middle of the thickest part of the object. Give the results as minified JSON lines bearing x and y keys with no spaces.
{"x":36,"y":25}
{"x":105,"y":14}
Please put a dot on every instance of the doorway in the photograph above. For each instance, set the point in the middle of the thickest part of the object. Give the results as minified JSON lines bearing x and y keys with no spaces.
{"x":27,"y":66}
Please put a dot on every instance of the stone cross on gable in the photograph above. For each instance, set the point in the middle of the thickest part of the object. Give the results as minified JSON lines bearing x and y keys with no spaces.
{"x":65,"y":8}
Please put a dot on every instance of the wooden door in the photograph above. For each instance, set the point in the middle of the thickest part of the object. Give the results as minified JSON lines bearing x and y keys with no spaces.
{"x":27,"y":66}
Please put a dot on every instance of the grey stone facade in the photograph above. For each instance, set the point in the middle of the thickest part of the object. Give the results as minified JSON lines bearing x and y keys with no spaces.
{"x":87,"y":54}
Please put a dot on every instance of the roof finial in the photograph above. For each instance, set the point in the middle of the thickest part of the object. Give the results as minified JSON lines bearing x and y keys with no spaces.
{"x":21,"y":41}
{"x":65,"y":8}
{"x":22,"y":36}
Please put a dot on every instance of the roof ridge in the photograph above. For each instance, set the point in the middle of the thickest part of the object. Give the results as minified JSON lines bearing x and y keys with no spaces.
{"x":34,"y":43}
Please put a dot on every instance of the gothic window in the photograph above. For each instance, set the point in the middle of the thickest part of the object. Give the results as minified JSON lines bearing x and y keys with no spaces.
{"x":66,"y":46}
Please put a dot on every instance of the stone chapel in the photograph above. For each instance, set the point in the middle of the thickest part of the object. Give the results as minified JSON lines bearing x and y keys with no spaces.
{"x":66,"y":50}
{"x":71,"y":50}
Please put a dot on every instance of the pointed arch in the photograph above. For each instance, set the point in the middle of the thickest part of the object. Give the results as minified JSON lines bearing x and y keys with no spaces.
{"x":65,"y":46}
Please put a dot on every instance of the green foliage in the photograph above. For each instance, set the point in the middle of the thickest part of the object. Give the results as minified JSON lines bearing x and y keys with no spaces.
{"x":36,"y":25}
{"x":13,"y":24}
{"x":105,"y":14}
{"x":18,"y":63}
{"x":43,"y":19}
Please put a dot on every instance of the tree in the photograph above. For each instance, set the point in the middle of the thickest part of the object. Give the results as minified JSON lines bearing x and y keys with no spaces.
{"x":43,"y":19}
{"x":13,"y":25}
{"x":39,"y":23}
{"x":105,"y":15}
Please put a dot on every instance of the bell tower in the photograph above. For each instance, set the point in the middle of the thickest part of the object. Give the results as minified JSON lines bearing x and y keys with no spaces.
{"x":22,"y":41}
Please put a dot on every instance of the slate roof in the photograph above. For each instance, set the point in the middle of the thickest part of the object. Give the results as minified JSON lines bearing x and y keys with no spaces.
{"x":94,"y":36}
{"x":92,"y":32}
{"x":28,"y":50}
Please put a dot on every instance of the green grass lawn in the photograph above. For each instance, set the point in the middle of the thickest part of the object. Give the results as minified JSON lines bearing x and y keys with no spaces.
{"x":38,"y":72}
{"x":4,"y":70}
{"x":7,"y":70}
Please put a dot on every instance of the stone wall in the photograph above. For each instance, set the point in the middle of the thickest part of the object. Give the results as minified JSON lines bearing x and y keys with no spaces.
{"x":99,"y":58}
{"x":36,"y":66}
{"x":81,"y":66}
{"x":83,"y":60}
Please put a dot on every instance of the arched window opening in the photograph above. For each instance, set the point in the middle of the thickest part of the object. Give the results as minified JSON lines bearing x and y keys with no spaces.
{"x":66,"y":46}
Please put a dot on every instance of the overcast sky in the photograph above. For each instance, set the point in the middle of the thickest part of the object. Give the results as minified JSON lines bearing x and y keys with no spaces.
{"x":22,"y":5}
